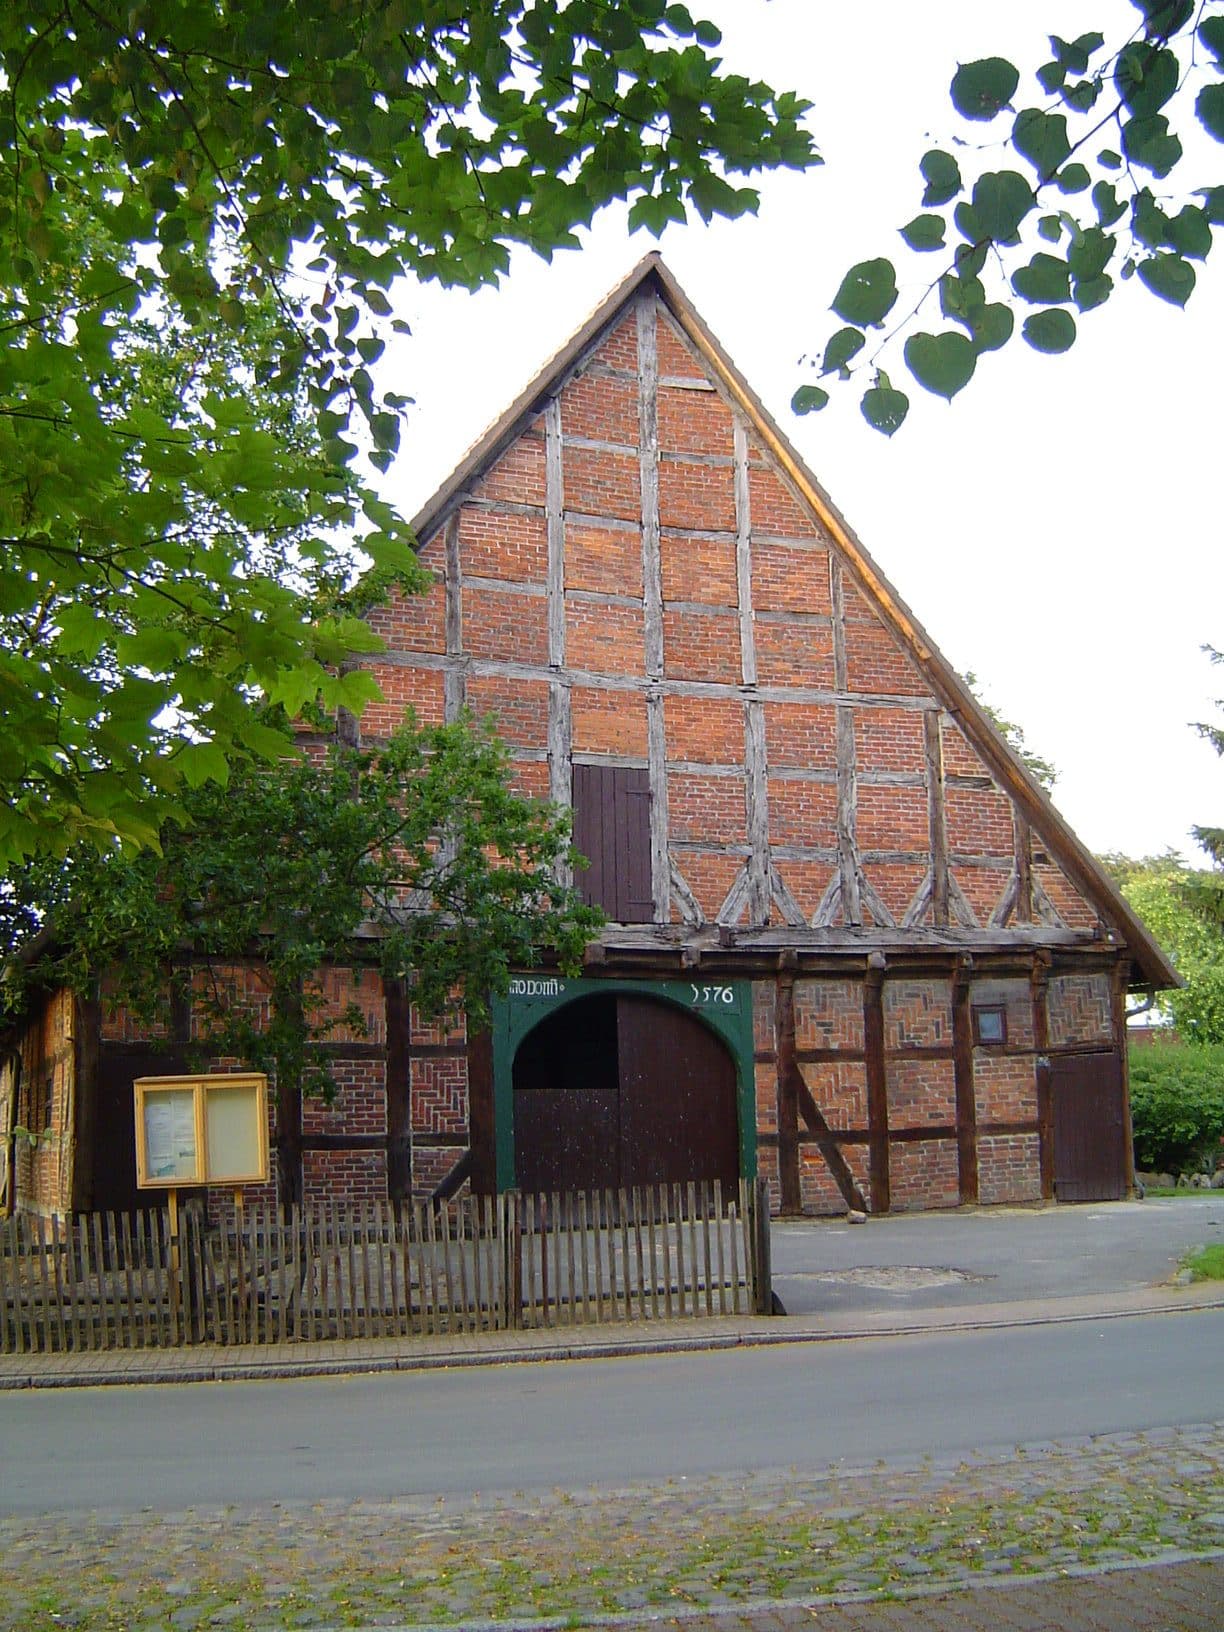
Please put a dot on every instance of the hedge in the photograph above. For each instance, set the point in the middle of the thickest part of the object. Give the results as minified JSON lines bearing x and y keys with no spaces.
{"x":1177,"y":1106}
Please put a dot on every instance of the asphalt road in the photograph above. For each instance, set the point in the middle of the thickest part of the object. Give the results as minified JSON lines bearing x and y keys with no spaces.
{"x":607,"y":1422}
{"x":997,"y":1254}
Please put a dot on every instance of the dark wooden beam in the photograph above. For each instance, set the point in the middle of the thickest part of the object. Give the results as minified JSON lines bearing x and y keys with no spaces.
{"x":454,"y":1180}
{"x":966,"y":1099}
{"x":290,"y":1186}
{"x":788,"y":1100}
{"x":396,"y":1009}
{"x":1039,"y":989}
{"x":820,"y":1134}
{"x":87,"y":1044}
{"x":877,"y":1086}
{"x":1118,"y":992}
{"x":481,"y":1129}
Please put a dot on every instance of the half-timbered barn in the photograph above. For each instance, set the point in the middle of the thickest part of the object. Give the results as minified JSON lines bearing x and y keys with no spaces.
{"x":851,"y":945}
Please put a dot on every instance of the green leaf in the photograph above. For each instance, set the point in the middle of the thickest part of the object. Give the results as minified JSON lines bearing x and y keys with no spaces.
{"x":1190,"y":233}
{"x":942,"y":176}
{"x":841,"y":347}
{"x":1001,"y":200}
{"x":1145,"y":79}
{"x":1051,"y":332}
{"x":867,"y":294}
{"x":941,"y":363}
{"x":1110,"y":159}
{"x":201,"y":762}
{"x":809,"y":399}
{"x":1148,"y":143}
{"x":1083,"y":95}
{"x":925,"y":232}
{"x":1161,"y":18}
{"x":1050,"y":228}
{"x":1209,"y":106}
{"x":1041,"y":138}
{"x":1091,"y":252}
{"x":1073,"y":178}
{"x":992,"y":326}
{"x":1168,"y":276}
{"x":981,"y":89}
{"x":1213,"y":204}
{"x":1092,"y":292}
{"x":1045,"y":281}
{"x":1211,"y":32}
{"x":1108,"y":207}
{"x":883,"y":408}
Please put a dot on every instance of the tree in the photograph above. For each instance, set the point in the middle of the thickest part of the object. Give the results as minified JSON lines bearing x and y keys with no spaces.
{"x":1088,"y":195}
{"x":166,"y":555}
{"x":1163,"y":891}
{"x":1206,"y":892}
{"x":414,"y":858}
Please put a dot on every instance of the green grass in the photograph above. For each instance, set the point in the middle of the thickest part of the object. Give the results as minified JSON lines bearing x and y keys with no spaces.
{"x":1207,"y":1264}
{"x":1176,"y":1190}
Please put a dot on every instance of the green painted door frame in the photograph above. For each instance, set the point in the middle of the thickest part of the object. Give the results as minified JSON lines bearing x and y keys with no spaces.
{"x":726,"y":1008}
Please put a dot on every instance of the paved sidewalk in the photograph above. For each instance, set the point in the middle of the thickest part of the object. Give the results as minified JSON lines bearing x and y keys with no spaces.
{"x":215,"y":1363}
{"x":958,"y":1540}
{"x":1175,"y":1597}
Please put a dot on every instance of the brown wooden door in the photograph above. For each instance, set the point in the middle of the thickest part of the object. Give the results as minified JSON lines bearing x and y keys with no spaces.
{"x":678,"y":1102}
{"x":1089,"y":1136}
{"x":622,"y":1090}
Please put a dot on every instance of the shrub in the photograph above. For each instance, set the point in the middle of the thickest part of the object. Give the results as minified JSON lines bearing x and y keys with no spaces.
{"x":1177,"y":1105}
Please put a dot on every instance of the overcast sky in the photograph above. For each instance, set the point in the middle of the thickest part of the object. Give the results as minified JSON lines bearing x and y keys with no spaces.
{"x":1056,"y":528}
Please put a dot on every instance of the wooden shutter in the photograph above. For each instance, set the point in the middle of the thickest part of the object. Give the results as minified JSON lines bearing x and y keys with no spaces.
{"x":612,"y":829}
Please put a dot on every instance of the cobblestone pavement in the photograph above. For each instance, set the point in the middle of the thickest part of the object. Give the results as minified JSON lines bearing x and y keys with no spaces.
{"x":832,"y":1549}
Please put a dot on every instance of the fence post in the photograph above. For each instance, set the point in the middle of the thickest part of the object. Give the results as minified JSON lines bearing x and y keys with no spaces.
{"x":763,"y":1269}
{"x":512,"y":1260}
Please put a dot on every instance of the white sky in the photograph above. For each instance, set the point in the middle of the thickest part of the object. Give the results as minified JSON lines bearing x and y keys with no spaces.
{"x":1054,"y":527}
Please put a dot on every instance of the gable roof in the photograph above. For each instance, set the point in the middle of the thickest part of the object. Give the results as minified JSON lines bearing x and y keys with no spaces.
{"x":1010,"y":773}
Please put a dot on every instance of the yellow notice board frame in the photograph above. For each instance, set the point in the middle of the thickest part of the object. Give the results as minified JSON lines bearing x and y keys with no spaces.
{"x":201,"y":1130}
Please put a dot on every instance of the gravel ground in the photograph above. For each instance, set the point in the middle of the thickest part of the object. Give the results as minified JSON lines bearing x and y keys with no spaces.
{"x":711,"y":1552}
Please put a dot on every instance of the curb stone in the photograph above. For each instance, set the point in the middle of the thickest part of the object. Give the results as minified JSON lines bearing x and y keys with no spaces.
{"x":131,"y":1367}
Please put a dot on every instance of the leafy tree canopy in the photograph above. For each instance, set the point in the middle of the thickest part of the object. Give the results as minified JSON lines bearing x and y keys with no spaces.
{"x":1163,"y":890}
{"x":1090,"y":188}
{"x":1207,"y":890}
{"x":414,"y":856}
{"x":191,"y":167}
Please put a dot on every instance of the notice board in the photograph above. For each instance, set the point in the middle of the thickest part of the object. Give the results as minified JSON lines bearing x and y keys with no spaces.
{"x":201,"y":1130}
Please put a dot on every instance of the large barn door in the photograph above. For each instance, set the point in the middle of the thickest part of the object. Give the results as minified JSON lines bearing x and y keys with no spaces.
{"x":1089,"y":1136}
{"x":623,"y":1090}
{"x":678,"y":1111}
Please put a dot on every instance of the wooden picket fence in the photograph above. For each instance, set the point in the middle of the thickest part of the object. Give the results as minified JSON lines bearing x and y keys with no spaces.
{"x":107,"y":1281}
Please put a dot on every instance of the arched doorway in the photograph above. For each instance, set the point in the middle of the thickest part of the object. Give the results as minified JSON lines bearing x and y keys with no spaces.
{"x":618,"y":1089}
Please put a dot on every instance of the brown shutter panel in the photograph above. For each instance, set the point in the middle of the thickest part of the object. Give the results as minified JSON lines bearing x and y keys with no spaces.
{"x":612,"y":829}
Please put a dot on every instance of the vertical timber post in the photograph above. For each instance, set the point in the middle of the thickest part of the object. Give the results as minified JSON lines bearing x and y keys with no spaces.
{"x":1039,"y":989}
{"x":788,"y":1097}
{"x":1118,"y":984}
{"x":877,"y":1085}
{"x":966,"y":1101}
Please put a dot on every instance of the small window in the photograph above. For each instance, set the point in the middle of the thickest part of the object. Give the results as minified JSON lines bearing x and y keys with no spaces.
{"x":990,"y":1025}
{"x":612,"y":830}
{"x":47,"y":1122}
